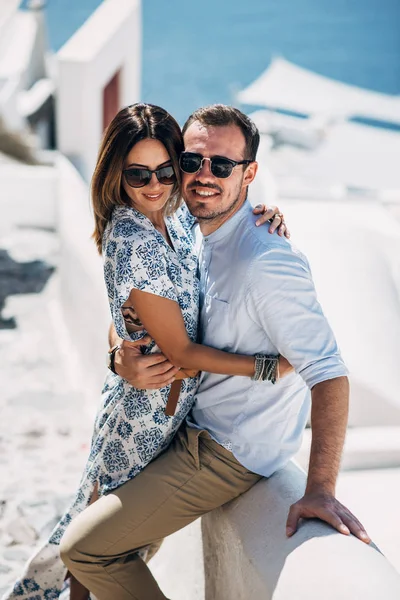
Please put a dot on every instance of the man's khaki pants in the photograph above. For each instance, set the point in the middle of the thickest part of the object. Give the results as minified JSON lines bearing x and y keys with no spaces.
{"x":195,"y":475}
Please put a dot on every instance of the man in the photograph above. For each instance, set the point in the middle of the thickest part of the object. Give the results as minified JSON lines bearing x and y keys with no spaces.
{"x":257,"y":296}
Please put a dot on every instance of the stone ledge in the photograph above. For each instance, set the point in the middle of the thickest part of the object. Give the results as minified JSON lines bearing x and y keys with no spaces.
{"x":248,"y":557}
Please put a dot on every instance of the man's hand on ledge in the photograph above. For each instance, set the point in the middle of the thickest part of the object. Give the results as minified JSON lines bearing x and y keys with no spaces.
{"x":143,"y":371}
{"x":324,"y":506}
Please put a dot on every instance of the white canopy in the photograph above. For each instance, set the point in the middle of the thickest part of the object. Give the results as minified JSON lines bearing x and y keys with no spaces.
{"x":285,"y":85}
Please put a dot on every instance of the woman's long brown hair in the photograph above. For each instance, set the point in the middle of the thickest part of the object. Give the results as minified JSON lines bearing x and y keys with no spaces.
{"x":131,"y":125}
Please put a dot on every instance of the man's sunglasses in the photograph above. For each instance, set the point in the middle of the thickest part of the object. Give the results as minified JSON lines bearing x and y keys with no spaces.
{"x":220,"y":166}
{"x":138,"y":177}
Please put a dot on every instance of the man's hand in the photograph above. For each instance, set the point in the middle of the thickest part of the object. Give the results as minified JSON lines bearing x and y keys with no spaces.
{"x":329,"y":411}
{"x":278,"y":220}
{"x":143,"y":371}
{"x":324,"y":506}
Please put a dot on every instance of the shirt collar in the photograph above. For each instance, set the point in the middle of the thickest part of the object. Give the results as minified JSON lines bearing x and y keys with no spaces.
{"x":230,"y":225}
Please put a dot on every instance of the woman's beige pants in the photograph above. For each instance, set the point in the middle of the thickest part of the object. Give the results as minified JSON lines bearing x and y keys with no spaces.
{"x":193,"y":476}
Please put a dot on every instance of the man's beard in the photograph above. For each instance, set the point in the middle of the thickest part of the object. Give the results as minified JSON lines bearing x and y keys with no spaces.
{"x":203,"y":212}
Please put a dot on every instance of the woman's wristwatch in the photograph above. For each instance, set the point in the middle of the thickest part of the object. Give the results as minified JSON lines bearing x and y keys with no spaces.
{"x":111,"y":358}
{"x":266,"y":368}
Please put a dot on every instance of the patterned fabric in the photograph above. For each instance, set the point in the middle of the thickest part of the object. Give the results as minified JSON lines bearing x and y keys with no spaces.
{"x":131,"y":427}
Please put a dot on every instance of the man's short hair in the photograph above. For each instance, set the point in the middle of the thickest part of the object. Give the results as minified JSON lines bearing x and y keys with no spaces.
{"x":221,"y":115}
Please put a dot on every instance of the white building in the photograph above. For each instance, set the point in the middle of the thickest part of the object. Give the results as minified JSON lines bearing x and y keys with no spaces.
{"x":99,"y":72}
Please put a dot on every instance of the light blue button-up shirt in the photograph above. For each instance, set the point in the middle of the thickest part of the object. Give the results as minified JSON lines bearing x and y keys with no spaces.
{"x":257,"y":296}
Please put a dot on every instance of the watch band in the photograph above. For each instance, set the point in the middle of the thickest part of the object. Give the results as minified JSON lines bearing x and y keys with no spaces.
{"x":111,"y":358}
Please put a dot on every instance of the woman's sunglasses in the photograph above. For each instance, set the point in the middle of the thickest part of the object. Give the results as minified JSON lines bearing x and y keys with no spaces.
{"x":138,"y":177}
{"x":220,"y":166}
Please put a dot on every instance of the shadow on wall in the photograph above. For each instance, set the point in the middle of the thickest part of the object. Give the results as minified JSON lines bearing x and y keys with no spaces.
{"x":20,"y":278}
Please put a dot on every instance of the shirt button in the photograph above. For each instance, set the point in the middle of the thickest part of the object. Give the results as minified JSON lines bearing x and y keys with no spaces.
{"x":206,"y":239}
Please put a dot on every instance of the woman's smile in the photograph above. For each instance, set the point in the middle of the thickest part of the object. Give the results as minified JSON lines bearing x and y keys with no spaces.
{"x":153,"y":197}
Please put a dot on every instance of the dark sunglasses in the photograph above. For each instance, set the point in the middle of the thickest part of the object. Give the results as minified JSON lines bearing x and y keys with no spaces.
{"x":220,"y":166}
{"x":138,"y":177}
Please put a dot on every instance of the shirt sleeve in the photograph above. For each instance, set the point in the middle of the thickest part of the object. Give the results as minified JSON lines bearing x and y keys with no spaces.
{"x":281,"y":298}
{"x":136,"y":264}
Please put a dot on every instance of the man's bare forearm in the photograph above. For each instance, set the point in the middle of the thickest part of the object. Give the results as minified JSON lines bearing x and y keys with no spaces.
{"x":329,"y":413}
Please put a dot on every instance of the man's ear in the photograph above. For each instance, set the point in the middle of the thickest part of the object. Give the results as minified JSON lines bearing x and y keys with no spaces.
{"x":250,"y":173}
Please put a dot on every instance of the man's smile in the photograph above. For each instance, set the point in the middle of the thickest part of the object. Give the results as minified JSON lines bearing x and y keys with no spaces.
{"x":205,"y":193}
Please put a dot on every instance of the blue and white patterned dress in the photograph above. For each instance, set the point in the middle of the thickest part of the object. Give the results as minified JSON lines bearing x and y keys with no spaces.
{"x":131,"y":427}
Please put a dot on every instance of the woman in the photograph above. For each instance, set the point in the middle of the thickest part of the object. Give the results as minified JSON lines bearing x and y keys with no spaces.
{"x":144,"y":233}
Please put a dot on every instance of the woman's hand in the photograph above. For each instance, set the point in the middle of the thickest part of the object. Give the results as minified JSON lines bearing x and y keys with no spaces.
{"x":273,"y":217}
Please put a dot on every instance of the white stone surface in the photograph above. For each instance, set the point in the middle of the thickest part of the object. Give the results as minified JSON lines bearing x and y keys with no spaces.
{"x":248,"y":557}
{"x":109,"y":40}
{"x":373,"y":495}
{"x":178,"y":565}
{"x":14,"y":55}
{"x":83,"y":313}
{"x":354,"y":252}
{"x":22,"y":58}
{"x":365,"y":448}
{"x":28,"y":196}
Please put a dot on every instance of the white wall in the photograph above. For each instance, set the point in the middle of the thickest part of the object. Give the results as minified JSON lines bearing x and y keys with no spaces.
{"x":28,"y":196}
{"x":353,"y":246}
{"x":10,"y":115}
{"x":85,"y":313}
{"x":21,"y":62}
{"x":109,"y":40}
{"x":354,"y":252}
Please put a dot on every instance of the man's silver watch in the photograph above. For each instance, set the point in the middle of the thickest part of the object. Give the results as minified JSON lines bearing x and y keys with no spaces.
{"x":111,"y":358}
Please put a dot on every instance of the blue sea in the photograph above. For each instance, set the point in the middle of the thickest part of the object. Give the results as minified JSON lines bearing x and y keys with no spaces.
{"x":197,"y":53}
